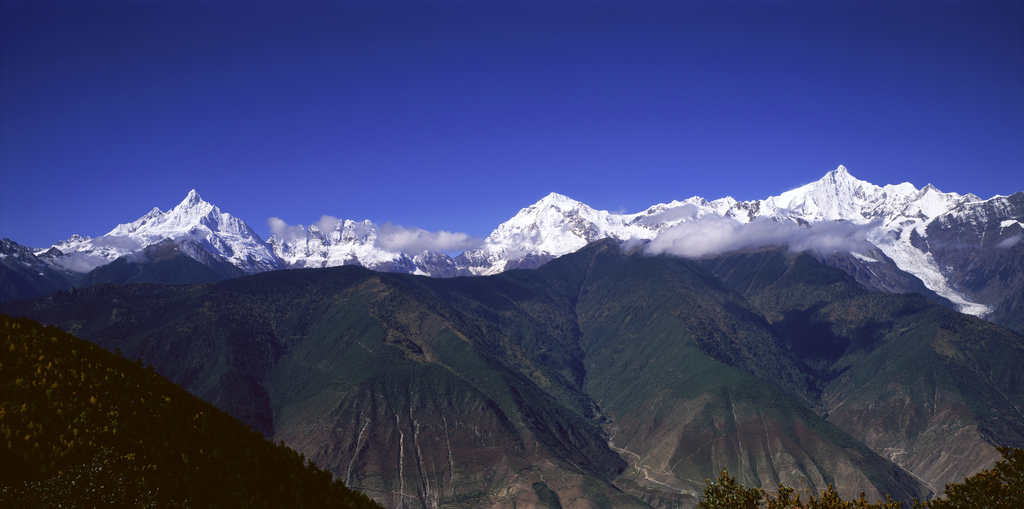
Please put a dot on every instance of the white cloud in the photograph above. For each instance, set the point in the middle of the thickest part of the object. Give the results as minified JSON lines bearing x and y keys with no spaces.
{"x":416,"y":240}
{"x":327,"y":224}
{"x":283,"y":230}
{"x":117,"y":242}
{"x":627,"y":246}
{"x":1009,"y":242}
{"x":684,"y":211}
{"x":713,"y":235}
{"x":362,"y":230}
{"x":81,"y":262}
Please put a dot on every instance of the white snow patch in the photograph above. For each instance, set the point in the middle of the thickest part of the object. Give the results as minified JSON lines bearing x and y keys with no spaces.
{"x":863,"y":258}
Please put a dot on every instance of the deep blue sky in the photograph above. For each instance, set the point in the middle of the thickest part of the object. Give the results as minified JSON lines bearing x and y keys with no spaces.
{"x":454,"y":115}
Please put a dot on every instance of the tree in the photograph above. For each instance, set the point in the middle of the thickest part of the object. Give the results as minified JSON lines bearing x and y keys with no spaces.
{"x":1002,"y":486}
{"x":729,"y":494}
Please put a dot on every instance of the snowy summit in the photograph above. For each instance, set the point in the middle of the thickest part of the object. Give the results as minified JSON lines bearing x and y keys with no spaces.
{"x":839,"y":213}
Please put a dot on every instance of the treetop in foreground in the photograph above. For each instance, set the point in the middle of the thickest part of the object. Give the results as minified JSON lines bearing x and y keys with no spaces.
{"x":1000,"y":487}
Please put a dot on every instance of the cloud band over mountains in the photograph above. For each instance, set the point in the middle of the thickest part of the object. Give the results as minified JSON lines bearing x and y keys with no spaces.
{"x":711,"y":235}
{"x":416,"y":240}
{"x":391,"y":237}
{"x":708,"y":235}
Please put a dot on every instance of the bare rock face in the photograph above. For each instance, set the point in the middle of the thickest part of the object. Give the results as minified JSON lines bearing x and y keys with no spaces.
{"x":939,"y":441}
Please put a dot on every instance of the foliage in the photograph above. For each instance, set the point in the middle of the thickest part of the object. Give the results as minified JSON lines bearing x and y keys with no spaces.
{"x":105,"y":482}
{"x":1000,"y":487}
{"x":81,"y":427}
{"x":729,"y":494}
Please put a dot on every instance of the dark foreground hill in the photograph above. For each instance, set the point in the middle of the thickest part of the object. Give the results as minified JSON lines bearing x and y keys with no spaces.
{"x":82,"y":427}
{"x":618,"y":379}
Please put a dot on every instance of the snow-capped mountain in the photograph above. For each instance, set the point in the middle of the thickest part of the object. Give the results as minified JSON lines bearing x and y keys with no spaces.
{"x":209,"y":231}
{"x":558,"y":225}
{"x":892,"y":238}
{"x":24,"y":275}
{"x":906,"y":215}
{"x":349,"y":243}
{"x":552,"y":227}
{"x":896,"y":221}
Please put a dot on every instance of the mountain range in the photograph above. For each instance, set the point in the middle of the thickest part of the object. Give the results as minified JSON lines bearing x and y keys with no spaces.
{"x":839,"y":333}
{"x":607,"y":377}
{"x":958,"y":250}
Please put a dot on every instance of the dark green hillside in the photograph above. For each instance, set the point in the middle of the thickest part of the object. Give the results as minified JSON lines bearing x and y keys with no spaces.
{"x":933,"y":389}
{"x":621,"y":329}
{"x":618,"y":379}
{"x":674,"y":356}
{"x":361,"y":370}
{"x":81,"y":427}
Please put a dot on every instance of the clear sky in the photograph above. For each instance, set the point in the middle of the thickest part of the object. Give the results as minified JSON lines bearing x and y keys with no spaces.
{"x":455,"y":115}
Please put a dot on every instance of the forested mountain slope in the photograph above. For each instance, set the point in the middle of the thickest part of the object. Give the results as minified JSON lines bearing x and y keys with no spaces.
{"x":617,"y":378}
{"x":82,"y":427}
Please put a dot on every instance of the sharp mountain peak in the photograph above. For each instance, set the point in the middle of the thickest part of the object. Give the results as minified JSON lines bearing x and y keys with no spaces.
{"x":557,"y":225}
